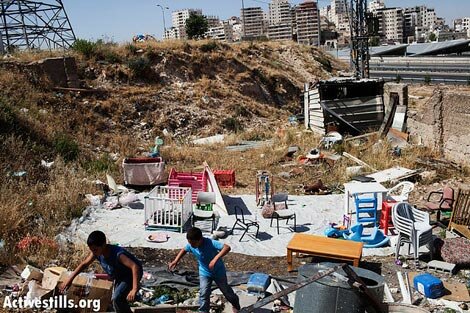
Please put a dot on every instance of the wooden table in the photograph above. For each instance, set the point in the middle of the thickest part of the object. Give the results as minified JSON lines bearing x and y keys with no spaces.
{"x":324,"y":247}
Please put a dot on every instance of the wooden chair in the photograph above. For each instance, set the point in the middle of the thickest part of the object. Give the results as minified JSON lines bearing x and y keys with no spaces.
{"x":460,"y":218}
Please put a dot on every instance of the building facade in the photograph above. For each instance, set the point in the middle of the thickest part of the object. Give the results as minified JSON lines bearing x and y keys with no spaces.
{"x":280,"y":20}
{"x":390,"y":24}
{"x":252,"y":23}
{"x":178,"y":19}
{"x":308,"y":23}
{"x":375,"y":5}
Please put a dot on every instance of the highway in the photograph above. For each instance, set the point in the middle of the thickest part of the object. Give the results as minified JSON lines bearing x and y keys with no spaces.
{"x":449,"y":70}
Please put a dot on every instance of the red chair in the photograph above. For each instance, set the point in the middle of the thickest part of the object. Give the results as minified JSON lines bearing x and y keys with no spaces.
{"x":386,"y":215}
{"x":440,"y":201}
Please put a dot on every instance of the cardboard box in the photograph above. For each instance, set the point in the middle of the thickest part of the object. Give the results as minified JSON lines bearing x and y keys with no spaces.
{"x":87,"y":288}
{"x":51,"y":277}
{"x":31,"y":273}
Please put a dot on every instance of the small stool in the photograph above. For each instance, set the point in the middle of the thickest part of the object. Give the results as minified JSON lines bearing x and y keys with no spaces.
{"x":386,"y":216}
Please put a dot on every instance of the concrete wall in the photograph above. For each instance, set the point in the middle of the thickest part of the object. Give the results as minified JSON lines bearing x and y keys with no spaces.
{"x":444,"y":125}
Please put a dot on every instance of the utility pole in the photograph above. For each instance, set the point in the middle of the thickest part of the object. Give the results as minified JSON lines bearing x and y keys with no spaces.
{"x":163,"y":14}
{"x":32,"y":24}
{"x":359,"y":38}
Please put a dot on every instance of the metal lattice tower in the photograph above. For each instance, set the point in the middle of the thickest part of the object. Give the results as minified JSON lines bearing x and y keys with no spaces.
{"x":359,"y":38}
{"x":30,"y":25}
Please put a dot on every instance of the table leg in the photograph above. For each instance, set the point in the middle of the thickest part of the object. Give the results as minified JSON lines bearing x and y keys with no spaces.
{"x":289,"y":260}
{"x":356,"y":262}
{"x":346,"y":201}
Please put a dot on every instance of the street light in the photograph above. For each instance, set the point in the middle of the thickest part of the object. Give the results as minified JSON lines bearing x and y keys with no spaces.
{"x":163,"y":14}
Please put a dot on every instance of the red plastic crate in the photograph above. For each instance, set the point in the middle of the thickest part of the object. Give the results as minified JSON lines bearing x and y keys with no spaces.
{"x":225,"y":178}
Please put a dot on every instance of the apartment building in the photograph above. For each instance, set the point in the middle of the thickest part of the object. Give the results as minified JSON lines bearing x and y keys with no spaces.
{"x":375,"y":5}
{"x":252,"y":22}
{"x":172,"y":33}
{"x":178,"y":19}
{"x":280,"y":20}
{"x":390,"y":24}
{"x":308,"y":23}
{"x":223,"y":31}
{"x":339,"y":11}
{"x":417,"y":20}
{"x":212,"y":21}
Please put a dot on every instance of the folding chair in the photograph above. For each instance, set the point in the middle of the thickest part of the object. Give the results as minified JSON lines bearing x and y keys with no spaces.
{"x":244,"y":223}
{"x":284,"y":214}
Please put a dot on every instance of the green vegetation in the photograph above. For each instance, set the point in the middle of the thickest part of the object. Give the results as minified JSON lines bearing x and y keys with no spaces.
{"x":196,"y":26}
{"x":232,"y":124}
{"x":85,"y":47}
{"x":66,"y":147}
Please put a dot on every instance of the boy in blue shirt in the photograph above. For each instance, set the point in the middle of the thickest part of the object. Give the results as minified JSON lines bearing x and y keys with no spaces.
{"x":209,"y":255}
{"x":122,"y":266}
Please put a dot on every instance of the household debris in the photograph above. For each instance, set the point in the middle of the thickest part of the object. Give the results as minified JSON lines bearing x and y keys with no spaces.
{"x":247,"y":145}
{"x":209,"y":140}
{"x":441,"y":266}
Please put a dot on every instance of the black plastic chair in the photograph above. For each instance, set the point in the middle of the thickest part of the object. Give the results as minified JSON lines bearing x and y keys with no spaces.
{"x":284,"y":214}
{"x":244,"y":223}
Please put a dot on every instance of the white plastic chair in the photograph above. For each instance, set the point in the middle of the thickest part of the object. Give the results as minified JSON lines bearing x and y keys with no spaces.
{"x":204,"y":209}
{"x":412,"y":226}
{"x":406,"y":188}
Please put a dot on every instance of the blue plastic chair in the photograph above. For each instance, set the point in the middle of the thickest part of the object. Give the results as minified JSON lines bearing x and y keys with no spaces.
{"x":366,"y":208}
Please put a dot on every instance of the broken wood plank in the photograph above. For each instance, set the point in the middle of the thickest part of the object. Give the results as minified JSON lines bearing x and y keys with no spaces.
{"x":360,"y":136}
{"x":406,"y":297}
{"x":353,"y":158}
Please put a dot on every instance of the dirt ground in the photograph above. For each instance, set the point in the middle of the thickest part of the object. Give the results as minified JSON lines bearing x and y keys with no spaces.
{"x":277,"y":266}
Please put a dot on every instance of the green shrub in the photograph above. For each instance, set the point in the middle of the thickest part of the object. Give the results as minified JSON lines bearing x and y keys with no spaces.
{"x":232,"y":124}
{"x":132,"y":49}
{"x":208,"y":47}
{"x":427,"y":79}
{"x":66,"y":147}
{"x":398,"y":78}
{"x":103,"y":164}
{"x":85,"y":47}
{"x":112,"y":57}
{"x":139,"y":66}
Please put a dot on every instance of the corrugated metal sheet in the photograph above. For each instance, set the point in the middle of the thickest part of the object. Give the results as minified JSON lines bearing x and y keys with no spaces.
{"x":363,"y":113}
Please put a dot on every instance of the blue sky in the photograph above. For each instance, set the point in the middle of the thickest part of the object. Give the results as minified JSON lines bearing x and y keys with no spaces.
{"x":119,"y":20}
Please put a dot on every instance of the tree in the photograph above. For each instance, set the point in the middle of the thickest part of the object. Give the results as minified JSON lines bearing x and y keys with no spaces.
{"x":374,"y":41}
{"x":196,"y":26}
{"x":432,"y":37}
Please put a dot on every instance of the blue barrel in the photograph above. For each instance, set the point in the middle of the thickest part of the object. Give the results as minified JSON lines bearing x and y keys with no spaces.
{"x":332,"y":295}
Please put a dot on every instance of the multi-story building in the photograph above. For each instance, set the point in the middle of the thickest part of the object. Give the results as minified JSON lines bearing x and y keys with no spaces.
{"x":280,"y":20}
{"x":417,"y":20}
{"x":172,"y":33}
{"x":412,"y":19}
{"x":339,"y":10}
{"x":237,"y":31}
{"x":252,"y":22}
{"x":308,"y":23}
{"x":212,"y":21}
{"x":223,"y":32}
{"x":178,"y":19}
{"x":390,"y":24}
{"x":375,"y":5}
{"x":326,"y":12}
{"x":458,"y":25}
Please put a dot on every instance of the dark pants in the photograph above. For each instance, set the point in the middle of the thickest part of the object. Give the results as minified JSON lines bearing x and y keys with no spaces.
{"x":121,"y":290}
{"x":205,"y":292}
